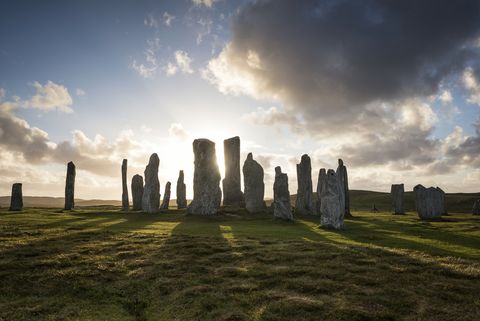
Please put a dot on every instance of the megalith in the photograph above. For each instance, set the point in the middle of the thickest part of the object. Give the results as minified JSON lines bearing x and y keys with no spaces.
{"x":331,"y":202}
{"x":428,"y":202}
{"x":166,"y":197}
{"x":206,"y":179}
{"x":125,"y":203}
{"x":137,"y":192}
{"x":322,"y":177}
{"x":345,"y":196}
{"x":304,"y":203}
{"x":281,"y":196}
{"x":476,"y":207}
{"x":232,"y":193}
{"x":16,"y":199}
{"x":181,"y":191}
{"x":397,"y":194}
{"x":254,"y":187}
{"x":70,"y":186}
{"x":151,"y":191}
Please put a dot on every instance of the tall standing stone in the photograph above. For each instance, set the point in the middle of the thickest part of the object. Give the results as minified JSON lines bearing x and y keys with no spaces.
{"x":206,"y":179}
{"x":281,"y":196}
{"x":16,"y":199}
{"x":232,"y":193}
{"x":181,"y":191}
{"x":321,"y":184}
{"x":166,"y":197}
{"x":331,"y":202}
{"x":343,"y":177}
{"x":304,"y":203}
{"x":125,"y":203}
{"x":137,"y":192}
{"x":254,"y":186}
{"x":397,"y":192}
{"x":476,"y":207}
{"x":428,"y":202}
{"x":151,"y":191}
{"x":442,"y":201}
{"x":70,"y":186}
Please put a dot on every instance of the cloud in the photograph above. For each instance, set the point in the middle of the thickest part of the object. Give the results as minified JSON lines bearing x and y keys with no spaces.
{"x":182,"y":63}
{"x":472,"y":85}
{"x":446,"y":97}
{"x":80,"y":92}
{"x":206,"y":3}
{"x":2,"y":93}
{"x":149,"y":67}
{"x":151,"y":22}
{"x":273,"y":117}
{"x":50,"y":96}
{"x":168,"y":19}
{"x":176,"y":130}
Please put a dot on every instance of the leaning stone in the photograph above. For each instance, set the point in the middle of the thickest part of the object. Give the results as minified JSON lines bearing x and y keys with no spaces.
{"x":428,"y":202}
{"x":304,"y":203}
{"x":232,"y":193}
{"x":70,"y":187}
{"x":181,"y":191}
{"x":281,"y":196}
{"x":345,"y":195}
{"x":397,"y":192}
{"x":151,"y":192}
{"x":476,"y":207}
{"x":254,"y":186}
{"x":16,"y":199}
{"x":166,"y":197}
{"x":125,"y":202}
{"x":137,"y":192}
{"x":331,"y":202}
{"x":206,"y":179}
{"x":322,"y":177}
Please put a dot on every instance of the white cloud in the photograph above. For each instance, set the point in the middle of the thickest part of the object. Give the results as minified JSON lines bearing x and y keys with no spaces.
{"x":446,"y":97}
{"x":151,"y":22}
{"x":50,"y":96}
{"x":149,"y":67}
{"x":168,"y":19}
{"x":182,"y":64}
{"x":2,"y":93}
{"x":176,"y":130}
{"x":473,"y":85}
{"x":206,"y":3}
{"x":80,"y":92}
{"x":204,"y":30}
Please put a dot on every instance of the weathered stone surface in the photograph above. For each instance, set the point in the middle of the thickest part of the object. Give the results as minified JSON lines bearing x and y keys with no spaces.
{"x":151,"y":191}
{"x":331,"y":202}
{"x":232,"y":193}
{"x":166,"y":197}
{"x":125,"y":202}
{"x":254,"y":186}
{"x":16,"y":199}
{"x":442,"y":204}
{"x":345,"y":196}
{"x":476,"y":207}
{"x":206,"y":179}
{"x":281,"y":196}
{"x":181,"y":191}
{"x":304,"y":203}
{"x":137,"y":192}
{"x":322,"y":179}
{"x":70,"y":186}
{"x":397,"y":192}
{"x":429,"y":202}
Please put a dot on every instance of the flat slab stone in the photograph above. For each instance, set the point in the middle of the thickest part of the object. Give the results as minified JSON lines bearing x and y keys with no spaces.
{"x":331,"y":202}
{"x":253,"y":176}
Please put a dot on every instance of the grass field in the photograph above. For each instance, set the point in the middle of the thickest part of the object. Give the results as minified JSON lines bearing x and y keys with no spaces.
{"x":101,"y":264}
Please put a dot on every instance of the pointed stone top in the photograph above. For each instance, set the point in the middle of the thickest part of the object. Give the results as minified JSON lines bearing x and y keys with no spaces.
{"x":168,"y":184}
{"x":154,"y":158}
{"x":278,"y":170}
{"x":305,"y":158}
{"x":340,"y":162}
{"x":70,"y":163}
{"x":419,"y":186}
{"x":250,"y":156}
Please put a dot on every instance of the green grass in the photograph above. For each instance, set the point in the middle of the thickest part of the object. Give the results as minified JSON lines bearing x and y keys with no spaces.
{"x":101,"y":264}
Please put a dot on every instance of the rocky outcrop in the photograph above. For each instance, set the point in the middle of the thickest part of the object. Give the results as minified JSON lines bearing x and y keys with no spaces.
{"x":331,"y":202}
{"x":70,"y":187}
{"x":137,"y":192}
{"x":181,"y":191}
{"x":397,"y":192}
{"x":281,"y":196}
{"x":151,"y":191}
{"x":304,"y":203}
{"x":125,"y":202}
{"x":206,"y":179}
{"x":254,"y":186}
{"x":16,"y":199}
{"x":166,"y":197}
{"x":232,"y":193}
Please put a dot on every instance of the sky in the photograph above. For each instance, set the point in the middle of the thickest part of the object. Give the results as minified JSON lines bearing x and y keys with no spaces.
{"x":391,"y":87}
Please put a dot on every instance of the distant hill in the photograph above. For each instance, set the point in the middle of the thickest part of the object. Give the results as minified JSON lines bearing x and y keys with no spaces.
{"x":359,"y":200}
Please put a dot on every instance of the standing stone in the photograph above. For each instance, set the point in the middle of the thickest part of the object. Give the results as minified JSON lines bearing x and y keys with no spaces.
{"x":254,"y":186}
{"x":181,"y":191}
{"x":137,"y":192}
{"x":321,"y":185}
{"x":476,"y":207}
{"x":125,"y":203}
{"x":232,"y":193}
{"x":343,"y":177}
{"x":70,"y":186}
{"x":331,"y":202}
{"x":151,"y":191}
{"x":428,"y":202}
{"x":442,"y":204}
{"x":281,"y":196}
{"x":166,"y":197}
{"x":206,"y":179}
{"x":304,"y":203}
{"x":16,"y":199}
{"x":397,"y":192}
